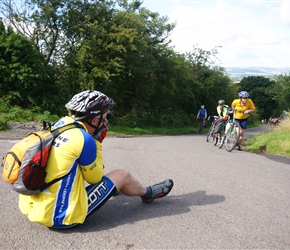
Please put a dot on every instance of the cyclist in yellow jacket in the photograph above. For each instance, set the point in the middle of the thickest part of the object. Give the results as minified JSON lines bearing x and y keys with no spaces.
{"x":244,"y":106}
{"x":222,"y":111}
{"x":78,"y":152}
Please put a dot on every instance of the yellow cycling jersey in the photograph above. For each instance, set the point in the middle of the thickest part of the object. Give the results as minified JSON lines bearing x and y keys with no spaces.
{"x":66,"y":202}
{"x":236,"y":104}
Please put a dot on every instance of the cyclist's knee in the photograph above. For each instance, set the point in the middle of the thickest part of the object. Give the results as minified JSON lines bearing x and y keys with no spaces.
{"x":242,"y":131}
{"x":119,"y":177}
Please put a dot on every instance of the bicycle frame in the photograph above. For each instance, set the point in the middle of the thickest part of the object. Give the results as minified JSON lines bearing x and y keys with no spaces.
{"x":231,"y":134}
{"x":202,"y":124}
{"x":211,"y":129}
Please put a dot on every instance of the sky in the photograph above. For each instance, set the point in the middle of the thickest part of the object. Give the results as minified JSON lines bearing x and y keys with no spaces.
{"x":251,"y":33}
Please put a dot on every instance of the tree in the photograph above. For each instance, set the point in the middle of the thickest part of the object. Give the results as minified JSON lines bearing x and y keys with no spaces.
{"x":280,"y":92}
{"x":21,"y":70}
{"x":211,"y":83}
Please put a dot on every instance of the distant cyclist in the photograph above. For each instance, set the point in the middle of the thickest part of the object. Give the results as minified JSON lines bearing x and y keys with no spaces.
{"x":201,"y":115}
{"x":244,"y":107}
{"x":223,"y":114}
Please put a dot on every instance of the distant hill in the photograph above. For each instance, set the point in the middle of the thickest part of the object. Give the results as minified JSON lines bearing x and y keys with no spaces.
{"x":237,"y":73}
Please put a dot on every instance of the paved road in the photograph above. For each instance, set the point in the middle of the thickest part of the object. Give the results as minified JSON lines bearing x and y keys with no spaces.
{"x":220,"y":200}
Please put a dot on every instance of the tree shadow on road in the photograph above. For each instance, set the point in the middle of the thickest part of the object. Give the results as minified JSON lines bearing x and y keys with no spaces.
{"x":121,"y":210}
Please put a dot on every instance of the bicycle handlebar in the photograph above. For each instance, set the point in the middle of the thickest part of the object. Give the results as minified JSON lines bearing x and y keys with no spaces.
{"x":239,"y":111}
{"x":214,"y":116}
{"x":232,"y":111}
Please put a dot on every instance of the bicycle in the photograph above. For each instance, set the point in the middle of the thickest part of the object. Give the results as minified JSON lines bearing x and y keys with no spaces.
{"x":202,"y":124}
{"x":273,"y":122}
{"x":219,"y":137}
{"x":211,"y":129}
{"x":231,"y":133}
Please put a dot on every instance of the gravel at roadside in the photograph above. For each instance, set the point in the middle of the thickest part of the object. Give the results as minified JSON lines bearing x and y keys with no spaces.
{"x":18,"y":130}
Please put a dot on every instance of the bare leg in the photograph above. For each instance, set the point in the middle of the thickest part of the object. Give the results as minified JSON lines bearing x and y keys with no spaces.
{"x":242,"y":131}
{"x":126,"y":183}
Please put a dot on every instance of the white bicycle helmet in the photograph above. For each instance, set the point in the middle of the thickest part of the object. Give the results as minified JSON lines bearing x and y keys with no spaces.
{"x":88,"y":104}
{"x":244,"y":94}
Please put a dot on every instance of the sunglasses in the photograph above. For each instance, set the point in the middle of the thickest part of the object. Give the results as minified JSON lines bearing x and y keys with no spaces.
{"x":245,"y":97}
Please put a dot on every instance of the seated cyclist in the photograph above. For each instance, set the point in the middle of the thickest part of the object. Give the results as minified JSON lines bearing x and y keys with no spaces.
{"x":223,"y":111}
{"x":78,"y":152}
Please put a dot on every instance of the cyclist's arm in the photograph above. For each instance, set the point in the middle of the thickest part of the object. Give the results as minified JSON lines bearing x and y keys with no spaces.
{"x":248,"y":111}
{"x":233,"y":105}
{"x":250,"y":107}
{"x":229,"y":110}
{"x":91,"y":161}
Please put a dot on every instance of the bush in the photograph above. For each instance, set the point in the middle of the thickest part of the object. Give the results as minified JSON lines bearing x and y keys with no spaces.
{"x":17,"y":114}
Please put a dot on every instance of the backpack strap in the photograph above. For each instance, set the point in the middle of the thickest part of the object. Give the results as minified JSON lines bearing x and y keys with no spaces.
{"x":56,"y":133}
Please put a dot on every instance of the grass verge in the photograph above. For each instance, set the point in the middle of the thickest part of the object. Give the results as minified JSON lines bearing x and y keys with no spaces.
{"x":151,"y":131}
{"x":275,"y":141}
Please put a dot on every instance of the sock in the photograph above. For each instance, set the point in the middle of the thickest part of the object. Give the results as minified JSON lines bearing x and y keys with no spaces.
{"x":148,"y":192}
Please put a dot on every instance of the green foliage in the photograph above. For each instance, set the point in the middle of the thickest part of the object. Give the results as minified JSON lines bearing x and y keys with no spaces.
{"x":210,"y":82}
{"x":280,"y":92}
{"x":20,"y":68}
{"x":3,"y":124}
{"x":23,"y":77}
{"x":127,"y":131}
{"x":15,"y":113}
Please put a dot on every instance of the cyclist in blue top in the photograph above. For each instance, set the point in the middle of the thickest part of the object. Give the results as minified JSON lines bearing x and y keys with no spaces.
{"x":201,"y":115}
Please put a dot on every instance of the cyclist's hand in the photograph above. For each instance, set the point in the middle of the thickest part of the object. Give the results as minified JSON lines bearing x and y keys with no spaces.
{"x":226,"y":117}
{"x":101,"y":134}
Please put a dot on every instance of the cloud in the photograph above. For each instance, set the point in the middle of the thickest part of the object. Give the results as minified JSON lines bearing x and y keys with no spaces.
{"x":250,"y":33}
{"x":284,"y":12}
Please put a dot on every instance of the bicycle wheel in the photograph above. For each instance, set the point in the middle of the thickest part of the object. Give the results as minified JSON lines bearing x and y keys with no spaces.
{"x":222,"y":137}
{"x":216,"y":140}
{"x":232,"y":136}
{"x":210,"y":133}
{"x":201,"y":125}
{"x":222,"y":141}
